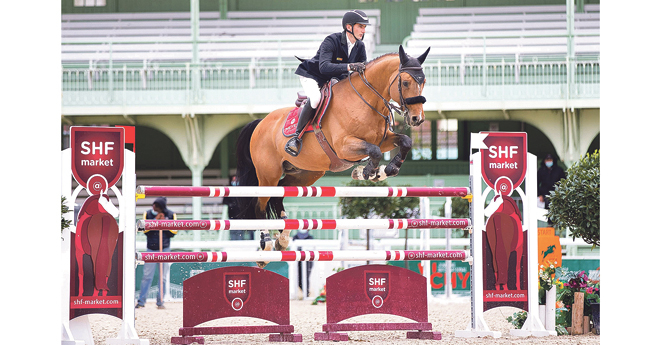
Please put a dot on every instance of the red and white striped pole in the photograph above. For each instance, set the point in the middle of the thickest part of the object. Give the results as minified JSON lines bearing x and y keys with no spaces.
{"x":298,"y":224}
{"x":305,"y":255}
{"x":292,"y":191}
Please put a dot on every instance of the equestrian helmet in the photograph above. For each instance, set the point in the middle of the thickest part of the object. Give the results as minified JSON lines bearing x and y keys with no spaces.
{"x":354,"y":17}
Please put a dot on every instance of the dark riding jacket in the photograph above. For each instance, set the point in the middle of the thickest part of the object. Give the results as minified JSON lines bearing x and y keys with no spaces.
{"x":153,"y":237}
{"x":331,"y":59}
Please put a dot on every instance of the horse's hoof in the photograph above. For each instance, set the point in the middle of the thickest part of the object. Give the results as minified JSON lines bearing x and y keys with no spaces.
{"x":281,"y":244}
{"x":261,"y":264}
{"x":357,"y":173}
{"x":391,"y":171}
{"x":380,"y":175}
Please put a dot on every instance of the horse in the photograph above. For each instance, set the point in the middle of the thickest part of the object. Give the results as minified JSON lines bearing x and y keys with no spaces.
{"x":357,"y":125}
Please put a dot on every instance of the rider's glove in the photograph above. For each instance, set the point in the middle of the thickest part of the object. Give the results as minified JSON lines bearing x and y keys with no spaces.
{"x":356,"y":67}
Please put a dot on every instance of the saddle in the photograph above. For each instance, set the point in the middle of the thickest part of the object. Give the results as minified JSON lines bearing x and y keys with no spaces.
{"x":292,"y":118}
{"x":291,"y":123}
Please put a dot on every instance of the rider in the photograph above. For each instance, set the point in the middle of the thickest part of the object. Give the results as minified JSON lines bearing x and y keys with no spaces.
{"x":340,"y":53}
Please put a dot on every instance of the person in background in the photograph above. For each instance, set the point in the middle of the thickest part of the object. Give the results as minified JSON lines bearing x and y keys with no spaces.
{"x":304,"y":234}
{"x":157,"y":241}
{"x":547,"y":177}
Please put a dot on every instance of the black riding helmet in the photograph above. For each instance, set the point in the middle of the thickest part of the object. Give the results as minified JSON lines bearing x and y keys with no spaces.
{"x":354,"y":17}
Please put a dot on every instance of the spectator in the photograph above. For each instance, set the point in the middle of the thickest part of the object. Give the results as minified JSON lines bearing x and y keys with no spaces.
{"x":547,"y":177}
{"x":157,"y":241}
{"x":303,"y":234}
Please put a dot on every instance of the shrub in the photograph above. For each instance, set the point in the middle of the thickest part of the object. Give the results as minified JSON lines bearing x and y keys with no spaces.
{"x":359,"y":207}
{"x":65,"y":209}
{"x":575,"y":202}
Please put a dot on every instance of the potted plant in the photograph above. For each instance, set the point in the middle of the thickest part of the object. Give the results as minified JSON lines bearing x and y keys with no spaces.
{"x":592,"y":302}
{"x":579,"y":282}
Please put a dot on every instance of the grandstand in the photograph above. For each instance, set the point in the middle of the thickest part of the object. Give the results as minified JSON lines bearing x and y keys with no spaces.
{"x":166,"y":36}
{"x":512,"y":67}
{"x":509,"y":32}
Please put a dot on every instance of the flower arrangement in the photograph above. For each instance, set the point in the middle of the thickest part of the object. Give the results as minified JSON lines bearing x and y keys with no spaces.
{"x":577,"y":282}
{"x":320,"y":298}
{"x":547,"y":278}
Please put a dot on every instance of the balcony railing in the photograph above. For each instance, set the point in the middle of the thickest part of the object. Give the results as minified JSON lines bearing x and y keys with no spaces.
{"x":225,"y":84}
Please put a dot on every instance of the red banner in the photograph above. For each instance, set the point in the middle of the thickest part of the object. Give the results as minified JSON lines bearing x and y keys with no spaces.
{"x":504,"y":162}
{"x":97,"y":153}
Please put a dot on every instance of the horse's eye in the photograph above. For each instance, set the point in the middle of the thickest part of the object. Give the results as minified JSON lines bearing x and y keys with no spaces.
{"x":405,"y":84}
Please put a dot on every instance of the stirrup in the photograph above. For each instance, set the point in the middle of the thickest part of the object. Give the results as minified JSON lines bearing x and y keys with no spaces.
{"x":296,"y":142}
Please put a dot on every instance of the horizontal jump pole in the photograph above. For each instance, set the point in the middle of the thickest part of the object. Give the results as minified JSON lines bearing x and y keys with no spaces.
{"x":298,"y":224}
{"x":292,"y":191}
{"x":305,"y":255}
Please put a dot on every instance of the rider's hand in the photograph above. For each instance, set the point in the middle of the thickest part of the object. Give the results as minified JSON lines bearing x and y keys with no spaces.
{"x":356,"y":67}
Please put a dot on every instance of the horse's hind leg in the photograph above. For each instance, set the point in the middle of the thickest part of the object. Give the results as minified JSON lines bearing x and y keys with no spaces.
{"x":282,"y":238}
{"x":294,"y":177}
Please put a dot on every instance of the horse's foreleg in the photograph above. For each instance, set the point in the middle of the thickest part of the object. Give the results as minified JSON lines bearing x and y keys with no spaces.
{"x":371,"y":170}
{"x":405,"y":145}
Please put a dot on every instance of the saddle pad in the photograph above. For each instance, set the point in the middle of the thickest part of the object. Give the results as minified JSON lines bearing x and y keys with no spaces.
{"x":291,"y":123}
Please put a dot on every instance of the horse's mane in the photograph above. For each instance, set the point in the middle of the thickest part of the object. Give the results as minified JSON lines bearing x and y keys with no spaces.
{"x":375,"y":60}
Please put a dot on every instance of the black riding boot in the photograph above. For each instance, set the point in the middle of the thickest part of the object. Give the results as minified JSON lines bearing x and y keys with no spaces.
{"x":294,"y":144}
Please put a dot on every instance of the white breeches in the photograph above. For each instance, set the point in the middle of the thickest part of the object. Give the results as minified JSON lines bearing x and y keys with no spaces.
{"x":311,"y":88}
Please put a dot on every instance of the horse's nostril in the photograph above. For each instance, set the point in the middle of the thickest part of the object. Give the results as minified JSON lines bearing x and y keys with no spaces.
{"x":414,"y":119}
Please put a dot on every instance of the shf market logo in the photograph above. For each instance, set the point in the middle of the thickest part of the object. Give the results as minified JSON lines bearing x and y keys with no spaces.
{"x":377,"y":286}
{"x":237,"y":289}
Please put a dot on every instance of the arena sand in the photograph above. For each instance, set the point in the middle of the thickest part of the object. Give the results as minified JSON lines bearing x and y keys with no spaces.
{"x":447,"y":316}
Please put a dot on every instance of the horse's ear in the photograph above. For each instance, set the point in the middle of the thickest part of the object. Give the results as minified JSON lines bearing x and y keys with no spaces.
{"x":403,"y":57}
{"x":422,"y":57}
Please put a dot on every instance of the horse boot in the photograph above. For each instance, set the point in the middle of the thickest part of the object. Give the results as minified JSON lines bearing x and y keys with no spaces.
{"x":294,"y":145}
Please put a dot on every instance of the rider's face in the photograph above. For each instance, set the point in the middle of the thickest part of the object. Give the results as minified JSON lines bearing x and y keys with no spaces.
{"x":359,"y":30}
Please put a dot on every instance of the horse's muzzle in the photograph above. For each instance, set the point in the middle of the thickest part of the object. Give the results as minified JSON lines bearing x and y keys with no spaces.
{"x":416,"y":120}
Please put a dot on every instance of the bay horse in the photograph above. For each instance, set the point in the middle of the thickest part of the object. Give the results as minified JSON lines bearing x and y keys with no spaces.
{"x":357,"y":125}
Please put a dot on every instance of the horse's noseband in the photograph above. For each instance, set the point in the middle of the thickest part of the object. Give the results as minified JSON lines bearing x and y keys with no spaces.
{"x":415,"y":100}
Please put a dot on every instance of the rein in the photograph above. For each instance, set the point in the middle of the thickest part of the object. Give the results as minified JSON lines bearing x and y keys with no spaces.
{"x":389,"y":119}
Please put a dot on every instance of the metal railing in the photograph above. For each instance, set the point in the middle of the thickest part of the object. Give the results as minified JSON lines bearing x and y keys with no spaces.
{"x":218,"y":83}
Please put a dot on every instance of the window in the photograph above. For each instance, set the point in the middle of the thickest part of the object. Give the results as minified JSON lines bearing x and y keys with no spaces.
{"x":88,"y":3}
{"x":447,"y":139}
{"x":421,"y":138}
{"x":445,"y":134}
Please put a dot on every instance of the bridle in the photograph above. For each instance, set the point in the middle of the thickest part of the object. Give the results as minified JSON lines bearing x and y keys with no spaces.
{"x":391,"y":108}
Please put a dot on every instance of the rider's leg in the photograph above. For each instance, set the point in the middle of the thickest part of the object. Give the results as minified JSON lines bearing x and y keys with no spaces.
{"x":313,"y":93}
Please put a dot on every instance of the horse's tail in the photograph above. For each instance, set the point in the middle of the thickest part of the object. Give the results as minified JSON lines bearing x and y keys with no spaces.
{"x":246,"y":173}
